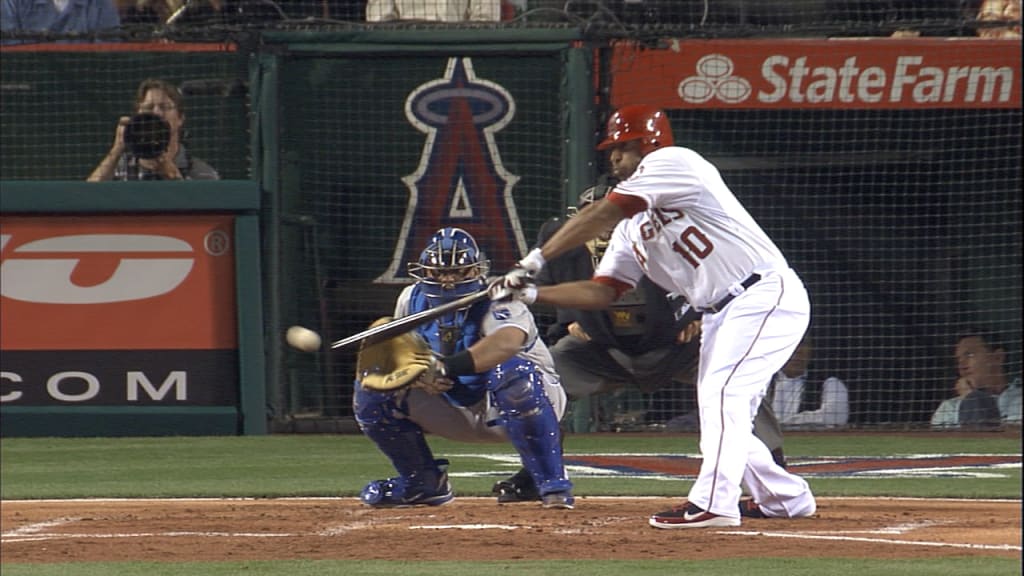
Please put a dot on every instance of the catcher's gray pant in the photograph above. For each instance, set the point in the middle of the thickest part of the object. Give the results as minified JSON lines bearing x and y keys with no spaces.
{"x":435,"y":414}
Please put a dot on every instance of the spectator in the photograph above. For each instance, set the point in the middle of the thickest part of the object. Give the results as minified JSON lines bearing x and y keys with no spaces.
{"x":787,"y":392}
{"x":947,"y":415}
{"x":434,"y":10}
{"x":1000,"y":11}
{"x":164,"y":101}
{"x":985,"y":395}
{"x":59,"y":16}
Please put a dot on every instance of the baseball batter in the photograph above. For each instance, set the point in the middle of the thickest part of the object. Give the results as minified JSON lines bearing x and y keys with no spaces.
{"x":677,"y":222}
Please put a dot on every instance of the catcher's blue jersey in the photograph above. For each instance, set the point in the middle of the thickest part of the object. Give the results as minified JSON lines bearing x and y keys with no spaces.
{"x":453,"y":333}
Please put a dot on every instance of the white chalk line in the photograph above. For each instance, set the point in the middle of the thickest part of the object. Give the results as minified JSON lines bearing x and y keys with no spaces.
{"x":35,"y":532}
{"x":472,"y":499}
{"x":37,"y":527}
{"x":897,"y":529}
{"x":71,"y":535}
{"x":468,"y":527}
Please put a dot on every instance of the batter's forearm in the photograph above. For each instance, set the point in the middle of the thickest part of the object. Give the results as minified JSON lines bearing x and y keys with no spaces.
{"x":583,"y":295}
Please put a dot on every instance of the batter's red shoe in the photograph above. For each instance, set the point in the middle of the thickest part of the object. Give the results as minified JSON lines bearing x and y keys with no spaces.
{"x":691,"y":516}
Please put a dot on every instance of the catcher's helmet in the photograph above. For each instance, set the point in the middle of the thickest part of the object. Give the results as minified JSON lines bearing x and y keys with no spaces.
{"x":638,"y":122}
{"x":596,"y":192}
{"x":451,"y":266}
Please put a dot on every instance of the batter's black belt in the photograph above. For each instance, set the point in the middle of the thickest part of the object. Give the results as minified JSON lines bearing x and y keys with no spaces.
{"x":717,"y":306}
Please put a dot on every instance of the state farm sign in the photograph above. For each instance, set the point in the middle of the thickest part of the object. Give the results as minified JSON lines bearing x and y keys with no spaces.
{"x":876,"y":73}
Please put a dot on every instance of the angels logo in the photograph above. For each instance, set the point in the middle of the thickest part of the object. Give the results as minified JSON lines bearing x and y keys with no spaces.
{"x":460,"y":180}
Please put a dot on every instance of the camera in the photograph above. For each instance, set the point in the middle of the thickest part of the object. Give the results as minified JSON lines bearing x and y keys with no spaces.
{"x":147,"y":136}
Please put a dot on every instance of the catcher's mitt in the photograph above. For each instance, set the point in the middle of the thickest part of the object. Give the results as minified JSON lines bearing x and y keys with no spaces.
{"x":395,"y":363}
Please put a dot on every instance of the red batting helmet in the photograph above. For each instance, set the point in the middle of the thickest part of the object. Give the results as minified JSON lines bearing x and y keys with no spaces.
{"x":636,"y":122}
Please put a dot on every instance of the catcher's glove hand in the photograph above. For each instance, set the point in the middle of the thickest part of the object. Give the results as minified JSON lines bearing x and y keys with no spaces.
{"x":396,"y":363}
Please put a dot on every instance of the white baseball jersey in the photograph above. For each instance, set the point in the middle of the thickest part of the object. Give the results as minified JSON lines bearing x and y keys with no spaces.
{"x":695,"y":238}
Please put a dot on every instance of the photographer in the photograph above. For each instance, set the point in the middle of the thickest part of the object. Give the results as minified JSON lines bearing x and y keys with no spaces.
{"x":148,"y":145}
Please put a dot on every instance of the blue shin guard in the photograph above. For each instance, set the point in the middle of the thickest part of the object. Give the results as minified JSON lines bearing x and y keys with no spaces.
{"x":422,"y":480}
{"x":532,"y":427}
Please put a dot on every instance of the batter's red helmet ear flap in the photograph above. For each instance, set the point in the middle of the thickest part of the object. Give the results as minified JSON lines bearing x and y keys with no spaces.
{"x":639,"y":122}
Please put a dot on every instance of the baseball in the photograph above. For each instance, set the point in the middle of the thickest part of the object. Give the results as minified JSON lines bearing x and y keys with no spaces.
{"x":303,"y":339}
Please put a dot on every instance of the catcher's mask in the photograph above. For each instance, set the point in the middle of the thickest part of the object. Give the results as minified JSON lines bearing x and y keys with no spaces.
{"x":638,"y":122}
{"x":451,"y":266}
{"x":596,"y":192}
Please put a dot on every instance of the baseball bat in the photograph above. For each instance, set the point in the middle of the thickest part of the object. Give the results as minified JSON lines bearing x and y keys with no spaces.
{"x":407,"y":323}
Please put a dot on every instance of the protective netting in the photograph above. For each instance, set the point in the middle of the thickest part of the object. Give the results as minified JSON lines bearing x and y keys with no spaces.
{"x":899,"y":207}
{"x":61,"y":105}
{"x":718,"y":18}
{"x":384,"y":150}
{"x":899,"y":203}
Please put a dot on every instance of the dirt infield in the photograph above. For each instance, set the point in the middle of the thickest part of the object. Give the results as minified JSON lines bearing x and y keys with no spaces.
{"x":480,"y":529}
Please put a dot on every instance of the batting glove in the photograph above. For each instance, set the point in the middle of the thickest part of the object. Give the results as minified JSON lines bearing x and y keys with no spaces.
{"x":498,"y":291}
{"x":525,"y":270}
{"x":532,"y":262}
{"x":527,"y":294}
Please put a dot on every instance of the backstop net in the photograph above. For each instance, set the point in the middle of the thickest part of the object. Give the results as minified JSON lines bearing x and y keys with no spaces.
{"x":877,"y":142}
{"x":887,"y":171}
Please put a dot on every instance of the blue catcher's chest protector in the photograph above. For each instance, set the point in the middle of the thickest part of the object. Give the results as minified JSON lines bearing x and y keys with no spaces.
{"x":453,"y":332}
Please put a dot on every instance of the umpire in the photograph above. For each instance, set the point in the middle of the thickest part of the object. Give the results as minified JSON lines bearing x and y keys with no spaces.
{"x":645,"y":340}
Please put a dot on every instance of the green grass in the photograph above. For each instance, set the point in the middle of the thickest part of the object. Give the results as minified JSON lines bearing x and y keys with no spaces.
{"x":339,"y":465}
{"x":759,"y":566}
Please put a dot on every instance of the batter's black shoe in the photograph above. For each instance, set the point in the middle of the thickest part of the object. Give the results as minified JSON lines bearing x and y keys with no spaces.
{"x":750,"y":509}
{"x":517,"y":488}
{"x":691,"y":516}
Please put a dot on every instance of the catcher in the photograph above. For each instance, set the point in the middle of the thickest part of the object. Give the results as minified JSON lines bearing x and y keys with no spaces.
{"x":476,"y":375}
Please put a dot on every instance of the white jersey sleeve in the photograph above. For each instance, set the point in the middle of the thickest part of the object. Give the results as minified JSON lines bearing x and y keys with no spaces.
{"x":618,"y":261}
{"x":695,"y":238}
{"x":515,"y":314}
{"x":511,"y":313}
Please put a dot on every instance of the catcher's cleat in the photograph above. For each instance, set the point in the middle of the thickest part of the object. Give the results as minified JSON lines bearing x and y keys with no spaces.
{"x":691,"y":516}
{"x":563,"y":500}
{"x":519,"y":487}
{"x":750,"y":509}
{"x":399,"y":492}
